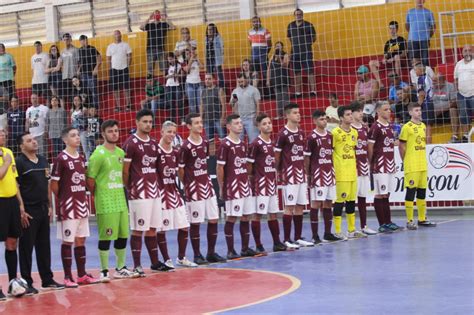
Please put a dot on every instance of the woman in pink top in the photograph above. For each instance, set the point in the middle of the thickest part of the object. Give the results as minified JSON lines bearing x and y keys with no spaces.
{"x":366,"y":89}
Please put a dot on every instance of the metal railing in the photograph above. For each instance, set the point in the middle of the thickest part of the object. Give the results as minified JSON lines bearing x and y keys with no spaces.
{"x":453,"y":34}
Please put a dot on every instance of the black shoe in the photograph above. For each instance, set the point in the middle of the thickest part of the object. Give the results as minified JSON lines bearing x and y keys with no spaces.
{"x":465,"y":139}
{"x":260,"y":251}
{"x":200,"y":260}
{"x":316,"y":240}
{"x":3,"y":297}
{"x":248,"y":253}
{"x":31,"y":291}
{"x":52,"y":285}
{"x":233,"y":255}
{"x":329,"y":237}
{"x":279,"y":247}
{"x":161,"y":267}
{"x":215,"y":258}
{"x":426,"y":223}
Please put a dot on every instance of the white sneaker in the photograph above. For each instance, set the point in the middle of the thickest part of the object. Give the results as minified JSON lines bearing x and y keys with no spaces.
{"x":290,"y":245}
{"x":356,"y":234}
{"x":104,"y":276}
{"x":340,"y":236}
{"x":124,"y":273}
{"x":169,"y":263}
{"x":185,"y":263}
{"x":368,"y":231}
{"x":303,"y":243}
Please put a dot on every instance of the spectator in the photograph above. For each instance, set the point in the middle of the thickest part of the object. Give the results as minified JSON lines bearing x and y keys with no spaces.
{"x":193,"y":80}
{"x":173,"y":89}
{"x":79,"y":121}
{"x":213,"y":110}
{"x":39,"y":66}
{"x":70,"y":67}
{"x":366,"y":90}
{"x":245,"y":100}
{"x":156,"y":28}
{"x":54,"y":71}
{"x":16,"y":124}
{"x":420,"y":25}
{"x":424,"y":89}
{"x":394,"y":52}
{"x":302,"y":35}
{"x":464,"y":76}
{"x":395,"y":84}
{"x":261,"y":42}
{"x":400,"y":108}
{"x":331,"y":112}
{"x":79,"y":90}
{"x":37,"y":125}
{"x":119,"y":58}
{"x":7,"y":71}
{"x":214,"y":53}
{"x":155,"y":95}
{"x":251,"y":75}
{"x":4,"y":101}
{"x":93,"y":129}
{"x":90,"y":61}
{"x":444,"y":103}
{"x":185,"y":43}
{"x":413,"y":77}
{"x":278,"y":77}
{"x":57,"y":121}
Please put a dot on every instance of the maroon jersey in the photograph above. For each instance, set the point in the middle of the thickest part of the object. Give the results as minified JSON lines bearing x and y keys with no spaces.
{"x":141,"y":154}
{"x":167,"y":167}
{"x":70,"y":172}
{"x":193,"y":159}
{"x":321,"y":167}
{"x":383,"y":160}
{"x":262,"y":156}
{"x":362,"y":158}
{"x":233,"y":155}
{"x":291,"y":145}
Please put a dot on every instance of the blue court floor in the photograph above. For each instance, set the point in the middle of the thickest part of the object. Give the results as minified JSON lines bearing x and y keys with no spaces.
{"x":428,"y":271}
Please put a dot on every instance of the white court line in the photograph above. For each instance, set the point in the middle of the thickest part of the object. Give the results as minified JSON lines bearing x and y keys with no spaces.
{"x":448,"y":221}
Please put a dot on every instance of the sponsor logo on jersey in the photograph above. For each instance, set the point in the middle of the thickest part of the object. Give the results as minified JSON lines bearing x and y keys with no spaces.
{"x":77,"y":177}
{"x":269,"y":160}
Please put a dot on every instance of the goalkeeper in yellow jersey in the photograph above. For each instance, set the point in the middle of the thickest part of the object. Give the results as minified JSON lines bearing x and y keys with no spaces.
{"x":344,"y":158}
{"x":413,"y":153}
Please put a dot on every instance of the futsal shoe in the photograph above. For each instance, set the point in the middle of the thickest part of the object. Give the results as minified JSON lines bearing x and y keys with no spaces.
{"x":3,"y":297}
{"x":316,"y":240}
{"x":303,"y":243}
{"x":426,"y":223}
{"x":411,"y":226}
{"x":356,"y":234}
{"x":87,"y":279}
{"x":260,"y":251}
{"x":31,"y":291}
{"x":70,"y":283}
{"x":392,"y":226}
{"x":139,"y":271}
{"x":329,"y":238}
{"x":104,"y":276}
{"x":124,"y":273}
{"x":279,"y":247}
{"x":232,"y":255}
{"x":340,"y":236}
{"x":248,"y":253}
{"x":161,"y":267}
{"x":200,"y":260}
{"x":215,"y":258}
{"x":52,"y":285}
{"x":368,"y":231}
{"x":292,"y":246}
{"x":385,"y":229}
{"x":185,"y":263}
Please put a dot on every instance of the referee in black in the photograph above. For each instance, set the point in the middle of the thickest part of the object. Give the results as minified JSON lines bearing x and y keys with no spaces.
{"x":33,"y":176}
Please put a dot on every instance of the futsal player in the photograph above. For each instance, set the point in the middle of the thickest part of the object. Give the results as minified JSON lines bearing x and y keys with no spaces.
{"x":344,"y":144}
{"x":174,"y":212}
{"x":321,"y":178}
{"x":68,"y":183}
{"x":382,"y":161}
{"x":289,"y":155}
{"x":104,"y":180}
{"x":144,"y":198}
{"x":362,"y":161}
{"x":263,"y":180}
{"x":200,"y":197}
{"x":234,"y":187}
{"x":413,"y":153}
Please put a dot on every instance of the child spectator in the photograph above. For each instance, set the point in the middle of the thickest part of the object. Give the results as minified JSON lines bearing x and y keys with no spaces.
{"x":79,"y":90}
{"x":173,"y":89}
{"x":57,"y":121}
{"x":331,"y":112}
{"x":93,"y":129}
{"x":79,"y":121}
{"x":155,"y":94}
{"x":252,"y":76}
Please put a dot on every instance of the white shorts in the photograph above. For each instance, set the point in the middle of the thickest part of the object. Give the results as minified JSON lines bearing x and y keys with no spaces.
{"x":174,"y":219}
{"x":145,"y":214}
{"x":240,"y":207}
{"x":266,"y":204}
{"x":323,"y":193}
{"x":295,"y":194}
{"x":68,"y":230}
{"x":200,"y":210}
{"x":383,"y":183}
{"x":363,"y":186}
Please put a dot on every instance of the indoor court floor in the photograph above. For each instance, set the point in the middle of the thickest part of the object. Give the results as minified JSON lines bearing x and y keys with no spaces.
{"x":428,"y":271}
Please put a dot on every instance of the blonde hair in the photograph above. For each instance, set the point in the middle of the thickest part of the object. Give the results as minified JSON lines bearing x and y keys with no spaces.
{"x":167,"y":124}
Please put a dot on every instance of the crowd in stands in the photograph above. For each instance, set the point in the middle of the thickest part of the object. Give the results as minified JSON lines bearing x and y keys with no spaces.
{"x":65,"y":87}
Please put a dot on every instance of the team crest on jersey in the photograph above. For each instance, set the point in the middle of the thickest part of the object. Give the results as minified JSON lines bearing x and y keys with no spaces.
{"x":109,"y":232}
{"x":419,"y":139}
{"x":261,"y":206}
{"x":320,"y":193}
{"x":236,"y":208}
{"x":76,"y":178}
{"x":412,"y":182}
{"x":195,"y":214}
{"x":141,"y":222}
{"x":166,"y":222}
{"x":344,"y":195}
{"x":67,"y":232}
{"x":383,"y":187}
{"x":269,"y":160}
{"x":120,"y":159}
{"x":353,"y":138}
{"x":347,"y":148}
{"x":290,"y":197}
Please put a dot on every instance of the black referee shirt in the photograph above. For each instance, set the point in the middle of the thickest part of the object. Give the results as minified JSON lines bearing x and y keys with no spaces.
{"x":33,"y":180}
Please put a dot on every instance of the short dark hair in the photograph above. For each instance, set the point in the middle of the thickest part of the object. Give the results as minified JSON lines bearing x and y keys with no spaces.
{"x":82,"y":37}
{"x":37,"y":43}
{"x":289,"y":107}
{"x":333,"y":95}
{"x":261,"y":117}
{"x":297,"y":9}
{"x":356,"y":106}
{"x":66,"y":131}
{"x":413,"y":105}
{"x":108,"y":123}
{"x":190,"y":116}
{"x":66,"y":35}
{"x":171,"y":54}
{"x":393,"y":23}
{"x":341,"y":110}
{"x":142,"y":113}
{"x":242,"y":75}
{"x":231,"y":117}
{"x":318,"y":113}
{"x":19,"y":138}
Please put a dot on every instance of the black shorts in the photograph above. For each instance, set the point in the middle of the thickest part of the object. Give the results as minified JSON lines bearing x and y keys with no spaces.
{"x":119,"y":79}
{"x":10,"y":219}
{"x":303,"y":62}
{"x":40,"y":89}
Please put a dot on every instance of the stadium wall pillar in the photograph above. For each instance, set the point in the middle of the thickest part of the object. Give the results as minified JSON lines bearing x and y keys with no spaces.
{"x":247,"y":9}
